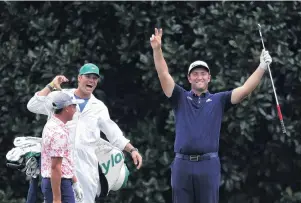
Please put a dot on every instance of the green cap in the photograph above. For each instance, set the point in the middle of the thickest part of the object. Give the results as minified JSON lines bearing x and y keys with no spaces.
{"x":89,"y":68}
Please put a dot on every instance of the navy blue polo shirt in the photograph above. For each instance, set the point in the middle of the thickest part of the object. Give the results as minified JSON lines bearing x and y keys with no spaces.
{"x":198,"y":120}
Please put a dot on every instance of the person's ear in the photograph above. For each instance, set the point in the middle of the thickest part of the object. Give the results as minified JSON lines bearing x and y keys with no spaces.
{"x":188,"y":77}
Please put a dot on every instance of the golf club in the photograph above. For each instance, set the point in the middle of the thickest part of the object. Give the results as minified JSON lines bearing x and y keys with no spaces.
{"x":277,"y":103}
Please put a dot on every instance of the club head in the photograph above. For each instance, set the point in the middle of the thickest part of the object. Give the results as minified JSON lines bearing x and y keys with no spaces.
{"x":259,"y":27}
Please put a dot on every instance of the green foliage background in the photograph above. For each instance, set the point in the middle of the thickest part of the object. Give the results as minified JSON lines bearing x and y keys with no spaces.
{"x":259,"y":164}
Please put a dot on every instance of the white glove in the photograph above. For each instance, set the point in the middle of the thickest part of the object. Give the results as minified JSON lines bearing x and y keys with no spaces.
{"x":78,"y":192}
{"x":265,"y":59}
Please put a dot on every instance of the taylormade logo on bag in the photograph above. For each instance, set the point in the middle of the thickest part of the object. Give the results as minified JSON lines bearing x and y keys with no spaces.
{"x":115,"y":159}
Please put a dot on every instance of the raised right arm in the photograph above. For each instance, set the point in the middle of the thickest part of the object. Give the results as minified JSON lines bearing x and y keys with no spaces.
{"x":40,"y":103}
{"x":167,"y":82}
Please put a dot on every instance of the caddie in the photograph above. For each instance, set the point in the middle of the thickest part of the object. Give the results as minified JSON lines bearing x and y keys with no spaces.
{"x":92,"y":117}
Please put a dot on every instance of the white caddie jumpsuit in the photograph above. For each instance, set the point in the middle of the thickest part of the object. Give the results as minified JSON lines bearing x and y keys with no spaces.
{"x":85,"y":131}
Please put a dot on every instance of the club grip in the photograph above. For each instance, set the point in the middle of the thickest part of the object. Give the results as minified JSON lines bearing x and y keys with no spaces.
{"x":283,"y":127}
{"x":15,"y":166}
{"x":281,"y":119}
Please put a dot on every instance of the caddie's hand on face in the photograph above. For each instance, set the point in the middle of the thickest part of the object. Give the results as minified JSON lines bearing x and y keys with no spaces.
{"x":137,"y":158}
{"x":155,"y":39}
{"x":58,"y":80}
{"x":265,"y":59}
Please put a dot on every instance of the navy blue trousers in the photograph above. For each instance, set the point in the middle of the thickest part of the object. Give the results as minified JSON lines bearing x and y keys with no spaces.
{"x":195,"y":181}
{"x":66,"y":191}
{"x":33,"y":190}
{"x":32,"y":193}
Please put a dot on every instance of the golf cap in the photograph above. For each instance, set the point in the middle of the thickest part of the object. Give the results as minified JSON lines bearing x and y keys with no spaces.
{"x":198,"y":64}
{"x":62,"y":99}
{"x":89,"y":68}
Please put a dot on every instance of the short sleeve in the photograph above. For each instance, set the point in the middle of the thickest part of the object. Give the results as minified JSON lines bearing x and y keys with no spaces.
{"x":58,"y":145}
{"x":226,"y":100}
{"x":176,"y":95}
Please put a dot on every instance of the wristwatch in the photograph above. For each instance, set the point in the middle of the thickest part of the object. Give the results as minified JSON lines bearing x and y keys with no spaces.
{"x":133,"y":149}
{"x":51,"y":86}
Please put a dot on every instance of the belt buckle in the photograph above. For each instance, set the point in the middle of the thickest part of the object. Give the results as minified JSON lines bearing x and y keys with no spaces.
{"x":194,"y":157}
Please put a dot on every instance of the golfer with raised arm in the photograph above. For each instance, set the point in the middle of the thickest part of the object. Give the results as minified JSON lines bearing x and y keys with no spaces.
{"x":195,"y":171}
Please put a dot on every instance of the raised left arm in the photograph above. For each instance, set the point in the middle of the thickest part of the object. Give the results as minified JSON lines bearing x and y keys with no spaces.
{"x":252,"y":82}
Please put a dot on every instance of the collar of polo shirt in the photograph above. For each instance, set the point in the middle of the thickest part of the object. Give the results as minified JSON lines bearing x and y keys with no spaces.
{"x":204,"y":94}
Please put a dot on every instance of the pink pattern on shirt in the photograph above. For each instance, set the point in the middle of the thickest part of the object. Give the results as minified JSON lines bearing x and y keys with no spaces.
{"x":56,"y":144}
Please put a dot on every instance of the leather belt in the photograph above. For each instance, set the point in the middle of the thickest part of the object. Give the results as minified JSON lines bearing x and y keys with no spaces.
{"x":202,"y":157}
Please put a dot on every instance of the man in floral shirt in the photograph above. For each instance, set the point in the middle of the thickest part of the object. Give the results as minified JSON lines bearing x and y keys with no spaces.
{"x":57,"y":167}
